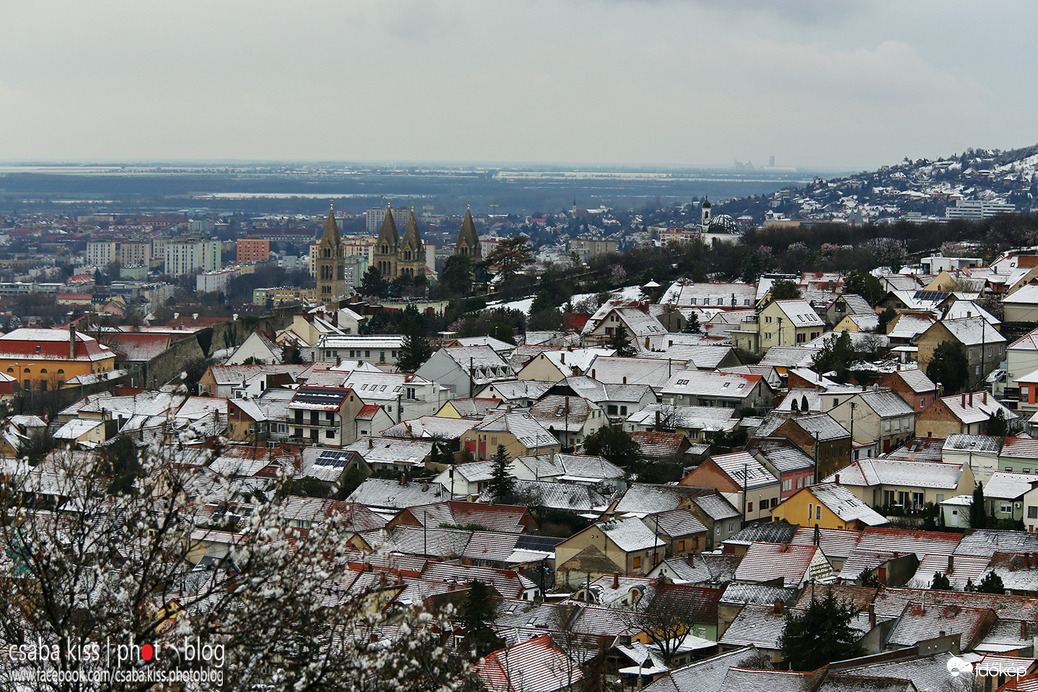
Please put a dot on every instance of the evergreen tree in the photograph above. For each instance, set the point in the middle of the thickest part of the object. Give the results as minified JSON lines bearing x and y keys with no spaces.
{"x":620,"y":341}
{"x":997,"y":425}
{"x":820,"y":634}
{"x":501,"y":485}
{"x":940,"y":582}
{"x":865,"y":285}
{"x":837,"y":354}
{"x":476,"y":615}
{"x":949,"y":366}
{"x":415,"y":349}
{"x":373,"y":284}
{"x":991,"y":583}
{"x":784,"y":289}
{"x":978,"y":518}
{"x":692,"y":326}
{"x":614,"y":445}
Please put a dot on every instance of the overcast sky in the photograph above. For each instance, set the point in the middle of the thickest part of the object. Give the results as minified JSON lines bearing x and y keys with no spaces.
{"x":851,"y":85}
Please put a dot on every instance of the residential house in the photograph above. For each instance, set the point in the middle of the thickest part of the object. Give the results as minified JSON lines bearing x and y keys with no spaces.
{"x":383,"y":349}
{"x":985,"y":348}
{"x":44,"y":358}
{"x":742,"y":479}
{"x":726,"y":296}
{"x":401,"y":395}
{"x":707,"y":504}
{"x":979,"y":452}
{"x":1004,"y":494}
{"x":473,"y":408}
{"x":1019,"y":455}
{"x":222,"y":380}
{"x":684,"y":533}
{"x":515,"y":393}
{"x":961,"y":414}
{"x":134,"y":350}
{"x":382,"y":495}
{"x":391,"y":454}
{"x":323,"y":415}
{"x":699,"y":423}
{"x":502,"y":518}
{"x":917,"y":300}
{"x":261,"y":418}
{"x":661,"y":446}
{"x":829,"y":506}
{"x":876,"y":417}
{"x":466,"y":370}
{"x":257,"y":348}
{"x":582,"y":469}
{"x":534,"y":664}
{"x":654,"y":372}
{"x":787,"y":462}
{"x":626,"y":546}
{"x":1030,"y":501}
{"x":520,"y":433}
{"x":558,"y":364}
{"x":697,"y":388}
{"x":794,"y":564}
{"x":817,"y":435}
{"x":903,"y":485}
{"x":1022,"y":304}
{"x":912,"y":385}
{"x":845,"y":305}
{"x":618,"y":400}
{"x":779,"y":323}
{"x":1021,"y":359}
{"x":644,"y":332}
{"x":570,"y":419}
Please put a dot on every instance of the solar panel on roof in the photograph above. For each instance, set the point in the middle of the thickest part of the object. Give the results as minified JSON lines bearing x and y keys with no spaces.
{"x":540,"y":543}
{"x":333,"y":458}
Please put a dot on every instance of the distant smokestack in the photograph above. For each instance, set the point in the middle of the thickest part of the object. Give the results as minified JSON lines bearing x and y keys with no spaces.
{"x":72,"y":341}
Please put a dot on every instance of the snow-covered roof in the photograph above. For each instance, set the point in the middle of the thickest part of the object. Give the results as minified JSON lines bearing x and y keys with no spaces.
{"x":917,"y":474}
{"x":630,"y":534}
{"x":844,"y":504}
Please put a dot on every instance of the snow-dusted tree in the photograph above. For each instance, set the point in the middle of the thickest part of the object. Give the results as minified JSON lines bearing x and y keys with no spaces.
{"x":177,"y":559}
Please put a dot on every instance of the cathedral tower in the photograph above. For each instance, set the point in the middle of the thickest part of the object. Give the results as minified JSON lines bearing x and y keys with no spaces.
{"x":330,"y":267}
{"x":384,"y":256}
{"x":468,"y":239}
{"x":411,"y":253}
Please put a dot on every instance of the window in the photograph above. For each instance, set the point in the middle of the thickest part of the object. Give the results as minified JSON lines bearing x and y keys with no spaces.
{"x":1032,"y":512}
{"x":731,"y":526}
{"x":681,"y":546}
{"x":1005,"y":507}
{"x":818,"y":512}
{"x":637,"y":561}
{"x":329,"y":433}
{"x":749,"y":506}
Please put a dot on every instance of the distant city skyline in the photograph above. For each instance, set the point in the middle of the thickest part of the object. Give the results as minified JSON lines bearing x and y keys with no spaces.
{"x":816,"y":84}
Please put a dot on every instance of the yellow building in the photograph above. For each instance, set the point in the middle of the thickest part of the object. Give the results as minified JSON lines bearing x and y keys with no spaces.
{"x":827,"y":506}
{"x":779,"y":323}
{"x":44,"y":358}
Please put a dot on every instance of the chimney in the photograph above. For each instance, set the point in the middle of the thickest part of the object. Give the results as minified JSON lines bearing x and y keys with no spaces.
{"x":784,"y":547}
{"x":72,"y":341}
{"x":971,"y":399}
{"x":837,"y":479}
{"x":818,"y":534}
{"x":779,"y":607}
{"x":984,"y":397}
{"x":964,"y":399}
{"x":562,"y":356}
{"x":403,"y":479}
{"x":425,"y":486}
{"x":1023,"y":629}
{"x":872,"y":615}
{"x":616,"y":580}
{"x":371,"y":443}
{"x":657,"y":420}
{"x":951,"y":564}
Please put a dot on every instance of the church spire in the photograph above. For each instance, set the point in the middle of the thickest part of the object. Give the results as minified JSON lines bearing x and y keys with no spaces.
{"x":468,"y":239}
{"x":331,"y":229}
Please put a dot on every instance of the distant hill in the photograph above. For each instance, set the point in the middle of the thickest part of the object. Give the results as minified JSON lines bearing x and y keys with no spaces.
{"x":923,"y":186}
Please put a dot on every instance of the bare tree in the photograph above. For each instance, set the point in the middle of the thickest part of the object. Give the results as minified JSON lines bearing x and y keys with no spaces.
{"x":120,"y":570}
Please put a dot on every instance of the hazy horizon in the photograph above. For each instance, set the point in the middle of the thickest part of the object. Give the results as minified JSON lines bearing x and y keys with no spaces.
{"x":616,"y":83}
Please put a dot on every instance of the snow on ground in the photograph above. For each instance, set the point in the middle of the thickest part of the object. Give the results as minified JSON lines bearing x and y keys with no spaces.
{"x":522,"y":306}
